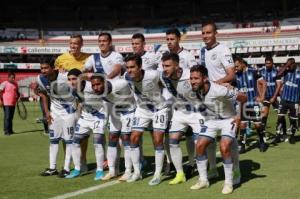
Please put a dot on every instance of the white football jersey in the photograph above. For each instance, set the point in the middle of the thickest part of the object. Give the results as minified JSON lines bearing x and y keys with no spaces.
{"x":92,"y":104}
{"x":106,"y":63}
{"x":216,"y":60}
{"x":150,"y":60}
{"x":186,"y":59}
{"x":184,"y":97}
{"x":120,"y":95}
{"x":148,"y":91}
{"x":218,"y":102}
{"x":62,"y":99}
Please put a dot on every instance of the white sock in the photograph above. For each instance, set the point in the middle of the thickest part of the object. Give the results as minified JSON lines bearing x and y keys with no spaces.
{"x":99,"y":154}
{"x":159,"y":161}
{"x":202,"y":170}
{"x":53,"y":151}
{"x":235,"y":155}
{"x":211,"y":155}
{"x":68,"y":157}
{"x":76,"y":155}
{"x":135,"y":158}
{"x":228,"y":173}
{"x":128,"y":162}
{"x":190,"y":147}
{"x":176,"y":155}
{"x":111,"y":158}
{"x":167,"y":148}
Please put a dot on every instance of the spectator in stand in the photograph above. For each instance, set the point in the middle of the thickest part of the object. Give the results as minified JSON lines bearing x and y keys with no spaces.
{"x":9,"y":94}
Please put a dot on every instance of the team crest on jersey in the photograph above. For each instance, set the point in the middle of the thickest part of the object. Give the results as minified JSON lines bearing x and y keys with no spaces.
{"x":97,"y":63}
{"x":147,"y":60}
{"x":298,"y":76}
{"x":213,"y":57}
{"x":186,"y":85}
{"x":110,"y":62}
{"x":149,"y":85}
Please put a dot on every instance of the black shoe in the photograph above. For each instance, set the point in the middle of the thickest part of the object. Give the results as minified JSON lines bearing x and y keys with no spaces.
{"x":277,"y":139}
{"x":49,"y":172}
{"x":63,"y":173}
{"x":189,"y":171}
{"x":242,"y":148}
{"x":169,"y":167}
{"x":263,"y":147}
{"x":292,"y":139}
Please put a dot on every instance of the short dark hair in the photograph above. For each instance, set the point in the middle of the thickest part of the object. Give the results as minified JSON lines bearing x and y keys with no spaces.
{"x":105,"y":34}
{"x":241,"y":60}
{"x":174,"y":31}
{"x":269,"y":59}
{"x":79,"y":36}
{"x":201,"y":69}
{"x":291,"y":59}
{"x":48,"y":60}
{"x":76,"y":72}
{"x":170,"y":56}
{"x":210,"y":22}
{"x":138,"y":36}
{"x":134,"y":57}
{"x":98,"y":76}
{"x":10,"y":73}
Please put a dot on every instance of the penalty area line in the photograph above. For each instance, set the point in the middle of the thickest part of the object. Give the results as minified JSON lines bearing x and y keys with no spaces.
{"x":86,"y":190}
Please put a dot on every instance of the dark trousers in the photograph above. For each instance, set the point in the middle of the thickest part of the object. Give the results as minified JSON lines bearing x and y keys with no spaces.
{"x":9,"y":112}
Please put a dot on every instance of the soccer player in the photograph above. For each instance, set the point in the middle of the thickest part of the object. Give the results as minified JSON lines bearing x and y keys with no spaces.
{"x":150,"y":60}
{"x":66,"y":62}
{"x":289,"y":98}
{"x":219,"y":112}
{"x":74,"y":58}
{"x":218,"y":60}
{"x":62,"y":114}
{"x":249,"y":81}
{"x":107,"y":62}
{"x":269,"y":74}
{"x":122,"y":105}
{"x":185,"y":113}
{"x":186,"y":61}
{"x":151,"y":109}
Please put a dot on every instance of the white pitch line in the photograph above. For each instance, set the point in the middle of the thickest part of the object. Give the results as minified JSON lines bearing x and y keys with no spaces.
{"x":82,"y":191}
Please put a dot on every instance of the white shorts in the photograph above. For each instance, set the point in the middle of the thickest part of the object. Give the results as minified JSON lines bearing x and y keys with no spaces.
{"x":181,"y":120}
{"x":91,"y":123}
{"x":121,"y":122}
{"x":62,"y":126}
{"x":144,"y":118}
{"x":212,"y":126}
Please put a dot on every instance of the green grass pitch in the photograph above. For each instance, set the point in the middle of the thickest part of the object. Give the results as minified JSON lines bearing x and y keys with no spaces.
{"x":274,"y":174}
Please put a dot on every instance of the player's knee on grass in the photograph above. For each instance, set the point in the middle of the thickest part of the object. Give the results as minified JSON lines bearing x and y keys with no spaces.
{"x":225,"y":146}
{"x":98,"y":138}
